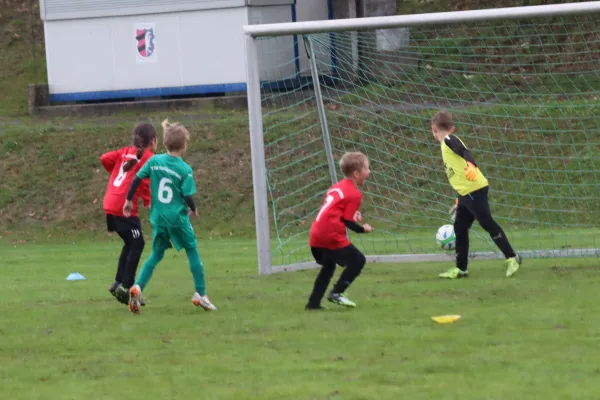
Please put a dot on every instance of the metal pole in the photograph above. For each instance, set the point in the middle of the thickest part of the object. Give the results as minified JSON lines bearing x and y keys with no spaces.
{"x":257,"y":148}
{"x":397,"y":21}
{"x":321,"y":108}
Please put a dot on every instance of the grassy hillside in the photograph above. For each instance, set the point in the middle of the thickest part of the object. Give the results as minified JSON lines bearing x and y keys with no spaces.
{"x":52,"y":178}
{"x":423,"y":6}
{"x":22,"y":57}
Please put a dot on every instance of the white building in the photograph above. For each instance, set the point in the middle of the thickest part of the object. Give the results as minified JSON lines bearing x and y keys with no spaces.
{"x":117,"y":49}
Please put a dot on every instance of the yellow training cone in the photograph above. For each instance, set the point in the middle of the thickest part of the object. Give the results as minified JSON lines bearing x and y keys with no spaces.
{"x":446,"y":319}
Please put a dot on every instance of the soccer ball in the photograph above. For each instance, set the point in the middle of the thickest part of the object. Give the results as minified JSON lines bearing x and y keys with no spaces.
{"x":445,"y":237}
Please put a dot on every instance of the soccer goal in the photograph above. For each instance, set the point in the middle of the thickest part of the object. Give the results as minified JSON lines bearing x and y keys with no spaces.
{"x":523,"y":84}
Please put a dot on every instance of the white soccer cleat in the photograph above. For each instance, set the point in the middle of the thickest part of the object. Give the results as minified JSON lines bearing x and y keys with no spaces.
{"x":203,"y":301}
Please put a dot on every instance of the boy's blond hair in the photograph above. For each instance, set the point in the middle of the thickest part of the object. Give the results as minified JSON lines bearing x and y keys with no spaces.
{"x":443,"y":120}
{"x":175,"y":136}
{"x":352,"y":161}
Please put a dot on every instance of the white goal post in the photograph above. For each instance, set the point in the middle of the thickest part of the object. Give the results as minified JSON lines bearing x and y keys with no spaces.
{"x":319,"y":78}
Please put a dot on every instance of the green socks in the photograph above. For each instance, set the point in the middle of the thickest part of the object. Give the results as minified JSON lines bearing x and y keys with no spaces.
{"x":197,"y":270}
{"x":195,"y":266}
{"x":148,"y":268}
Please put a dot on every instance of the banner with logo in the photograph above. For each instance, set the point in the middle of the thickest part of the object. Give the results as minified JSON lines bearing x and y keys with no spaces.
{"x":145,"y":37}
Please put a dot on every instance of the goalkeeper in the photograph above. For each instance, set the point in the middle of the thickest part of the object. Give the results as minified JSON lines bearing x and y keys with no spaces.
{"x":472,"y":203}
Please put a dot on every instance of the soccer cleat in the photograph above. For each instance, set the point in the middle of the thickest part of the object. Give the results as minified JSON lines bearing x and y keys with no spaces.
{"x":142,"y":301}
{"x":113,"y":288}
{"x":122,"y":295}
{"x":203,"y":301}
{"x":311,"y":307}
{"x":340,"y":299}
{"x":512,"y":265}
{"x":135,"y":293}
{"x":454,"y":273}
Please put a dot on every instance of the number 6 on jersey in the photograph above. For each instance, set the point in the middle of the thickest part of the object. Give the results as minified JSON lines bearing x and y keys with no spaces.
{"x":165,"y":193}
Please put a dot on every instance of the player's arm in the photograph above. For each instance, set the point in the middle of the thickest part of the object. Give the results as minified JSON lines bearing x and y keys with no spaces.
{"x":459,"y":148}
{"x":133,"y":188}
{"x":350,"y":211}
{"x":109,"y":160}
{"x":188,"y":189}
{"x":189,"y":201}
{"x":145,"y":192}
{"x":142,"y":174}
{"x":353,"y":226}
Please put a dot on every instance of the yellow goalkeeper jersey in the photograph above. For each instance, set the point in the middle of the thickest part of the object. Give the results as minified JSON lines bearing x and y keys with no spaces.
{"x":455,"y":171}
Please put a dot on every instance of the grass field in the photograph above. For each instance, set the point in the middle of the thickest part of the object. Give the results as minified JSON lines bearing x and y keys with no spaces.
{"x":534,"y":336}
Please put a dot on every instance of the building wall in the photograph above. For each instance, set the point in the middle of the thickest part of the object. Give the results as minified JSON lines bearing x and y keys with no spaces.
{"x":92,"y":46}
{"x":314,"y":10}
{"x":78,"y":9}
{"x":191,"y":49}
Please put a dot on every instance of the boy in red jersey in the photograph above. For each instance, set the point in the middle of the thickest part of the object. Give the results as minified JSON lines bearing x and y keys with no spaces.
{"x":328,"y":240}
{"x":123,"y":165}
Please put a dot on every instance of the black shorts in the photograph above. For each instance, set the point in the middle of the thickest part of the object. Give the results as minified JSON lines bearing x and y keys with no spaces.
{"x":476,"y":203}
{"x":122,"y":224}
{"x":343,"y":257}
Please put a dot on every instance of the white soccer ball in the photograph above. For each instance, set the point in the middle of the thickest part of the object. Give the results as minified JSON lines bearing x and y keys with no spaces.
{"x":445,"y":237}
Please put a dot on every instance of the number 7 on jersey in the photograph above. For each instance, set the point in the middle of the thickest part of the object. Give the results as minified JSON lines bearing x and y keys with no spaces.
{"x":328,"y":200}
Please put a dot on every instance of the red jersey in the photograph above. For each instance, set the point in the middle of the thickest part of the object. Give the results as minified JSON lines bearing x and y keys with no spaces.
{"x":119,"y":181}
{"x":328,"y":231}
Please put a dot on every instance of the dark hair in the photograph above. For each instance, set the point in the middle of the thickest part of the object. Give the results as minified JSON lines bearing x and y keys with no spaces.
{"x":443,"y":120}
{"x":143,"y":135}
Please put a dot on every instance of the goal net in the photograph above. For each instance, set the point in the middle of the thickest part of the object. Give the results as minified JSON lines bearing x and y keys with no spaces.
{"x":522,"y":83}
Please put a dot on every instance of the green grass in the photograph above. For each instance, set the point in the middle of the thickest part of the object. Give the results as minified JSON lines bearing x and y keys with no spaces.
{"x":22,"y":55}
{"x":540,"y":242}
{"x":533,"y":336}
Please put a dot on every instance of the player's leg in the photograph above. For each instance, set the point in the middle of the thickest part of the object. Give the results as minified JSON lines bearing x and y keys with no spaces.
{"x":136,"y":247}
{"x":122,"y":263}
{"x":185,"y":238}
{"x":135,"y":292}
{"x":322,"y":258}
{"x":480,"y":207}
{"x":199,"y":299}
{"x":121,"y":293}
{"x":111,"y":227}
{"x":130,"y":230}
{"x":462,"y":223}
{"x":160,"y":242}
{"x":353,"y":261}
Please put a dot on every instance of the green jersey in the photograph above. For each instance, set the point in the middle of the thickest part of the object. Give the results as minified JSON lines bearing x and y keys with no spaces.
{"x":171,"y":179}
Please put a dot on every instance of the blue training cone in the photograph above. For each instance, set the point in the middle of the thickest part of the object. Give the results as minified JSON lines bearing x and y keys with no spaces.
{"x":75,"y":276}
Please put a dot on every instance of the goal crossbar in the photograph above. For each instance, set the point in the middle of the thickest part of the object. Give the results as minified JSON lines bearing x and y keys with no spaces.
{"x":449,"y":17}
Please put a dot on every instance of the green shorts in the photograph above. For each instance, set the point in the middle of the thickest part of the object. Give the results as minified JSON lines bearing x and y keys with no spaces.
{"x":182,"y":237}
